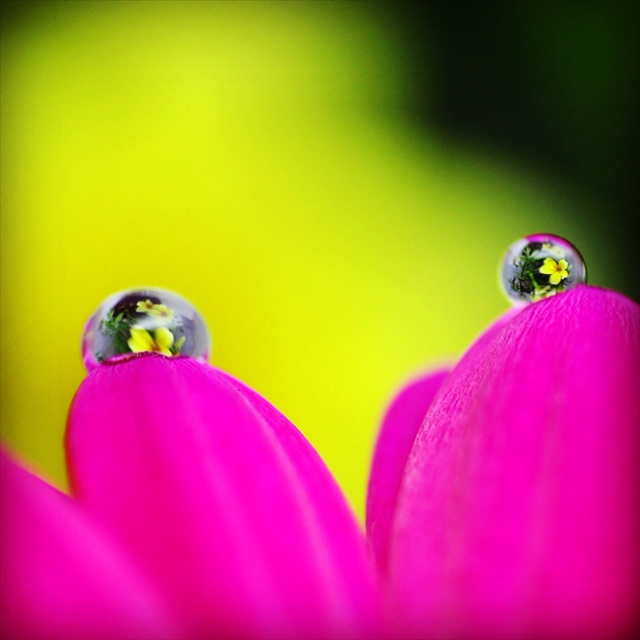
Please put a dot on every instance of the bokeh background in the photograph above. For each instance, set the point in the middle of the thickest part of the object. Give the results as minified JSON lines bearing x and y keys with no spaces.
{"x":332,"y":185}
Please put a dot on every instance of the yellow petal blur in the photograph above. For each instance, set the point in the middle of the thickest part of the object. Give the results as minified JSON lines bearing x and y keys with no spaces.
{"x":160,"y":312}
{"x":140,"y":340}
{"x":254,"y":158}
{"x":144,"y":306}
{"x":163,"y":339}
{"x":555,"y":278}
{"x":549,"y":266}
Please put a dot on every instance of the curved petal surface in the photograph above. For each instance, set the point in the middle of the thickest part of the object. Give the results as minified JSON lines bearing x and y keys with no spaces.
{"x":60,"y":576}
{"x":222,"y":499}
{"x":400,"y":425}
{"x":519,"y":513}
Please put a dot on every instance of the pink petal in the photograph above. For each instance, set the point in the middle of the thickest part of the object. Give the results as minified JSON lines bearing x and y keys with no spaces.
{"x":60,"y":577}
{"x":221,"y":499}
{"x":519,"y":514}
{"x":399,"y":428}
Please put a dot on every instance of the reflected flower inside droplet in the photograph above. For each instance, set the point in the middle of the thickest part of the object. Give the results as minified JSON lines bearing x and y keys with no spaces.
{"x":540,"y":266}
{"x":143,"y":320}
{"x":159,"y":340}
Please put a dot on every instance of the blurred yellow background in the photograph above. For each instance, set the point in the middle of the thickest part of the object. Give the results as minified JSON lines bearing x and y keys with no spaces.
{"x":253,"y":158}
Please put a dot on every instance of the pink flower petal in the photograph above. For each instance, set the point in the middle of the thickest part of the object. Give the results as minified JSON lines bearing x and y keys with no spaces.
{"x":399,"y":428}
{"x":221,"y":499}
{"x":519,"y":513}
{"x":60,"y":577}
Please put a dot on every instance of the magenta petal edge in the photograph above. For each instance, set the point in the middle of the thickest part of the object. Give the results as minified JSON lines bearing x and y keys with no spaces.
{"x":222,"y":501}
{"x":519,"y":508}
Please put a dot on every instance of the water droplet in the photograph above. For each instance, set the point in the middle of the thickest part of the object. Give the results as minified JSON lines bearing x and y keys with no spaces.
{"x":540,"y":266}
{"x":143,"y":320}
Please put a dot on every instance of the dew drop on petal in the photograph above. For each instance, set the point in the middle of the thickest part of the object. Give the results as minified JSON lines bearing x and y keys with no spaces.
{"x":539,"y":266}
{"x":143,"y":320}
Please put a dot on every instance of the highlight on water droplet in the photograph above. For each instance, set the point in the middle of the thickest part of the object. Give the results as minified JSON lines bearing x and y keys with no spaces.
{"x":539,"y":266}
{"x":143,"y":320}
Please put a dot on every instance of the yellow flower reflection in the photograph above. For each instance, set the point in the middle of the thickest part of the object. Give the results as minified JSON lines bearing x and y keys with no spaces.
{"x":141,"y":340}
{"x":144,"y":306}
{"x":557,"y":271}
{"x":161,"y":312}
{"x":158,"y":311}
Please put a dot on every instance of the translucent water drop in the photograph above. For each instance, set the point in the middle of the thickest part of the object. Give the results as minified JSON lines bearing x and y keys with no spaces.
{"x":540,"y":266}
{"x":142,"y":320}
